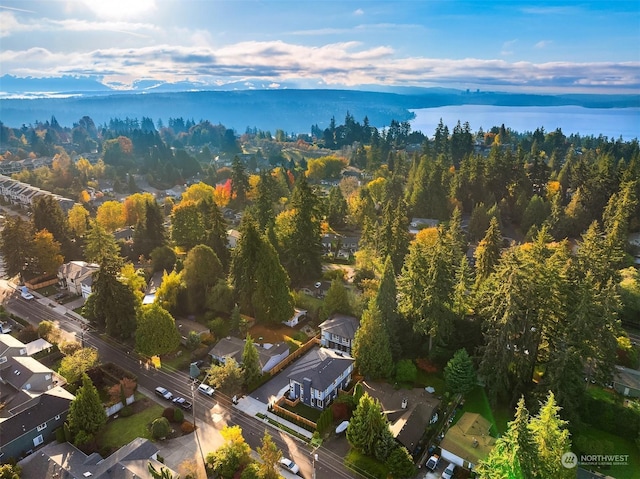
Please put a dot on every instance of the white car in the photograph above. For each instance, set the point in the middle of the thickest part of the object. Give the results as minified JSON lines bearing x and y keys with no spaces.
{"x":449,"y":471}
{"x":24,"y":292}
{"x":289,"y":465}
{"x":163,"y":393}
{"x":206,"y":389}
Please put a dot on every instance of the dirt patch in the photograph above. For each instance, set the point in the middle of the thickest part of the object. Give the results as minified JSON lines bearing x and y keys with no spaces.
{"x":272,"y":334}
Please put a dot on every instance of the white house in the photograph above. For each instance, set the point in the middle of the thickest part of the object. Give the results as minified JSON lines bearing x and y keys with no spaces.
{"x":77,"y":277}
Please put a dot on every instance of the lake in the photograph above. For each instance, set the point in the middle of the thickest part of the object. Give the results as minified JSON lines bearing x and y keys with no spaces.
{"x":610,"y":122}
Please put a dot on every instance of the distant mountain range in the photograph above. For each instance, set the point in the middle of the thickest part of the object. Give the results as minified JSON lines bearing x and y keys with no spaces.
{"x":28,"y":100}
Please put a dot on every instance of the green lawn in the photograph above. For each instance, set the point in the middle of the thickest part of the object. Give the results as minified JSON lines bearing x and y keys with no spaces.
{"x":365,"y":466}
{"x":619,"y":446}
{"x":308,"y":412}
{"x":476,"y":401}
{"x":435,"y":380}
{"x":123,"y":430}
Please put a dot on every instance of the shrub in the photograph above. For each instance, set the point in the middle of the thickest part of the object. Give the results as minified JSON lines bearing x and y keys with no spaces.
{"x":60,"y":435}
{"x":406,"y":372}
{"x":160,"y":428}
{"x":187,"y":427}
{"x":168,"y":413}
{"x":126,"y":411}
{"x":178,"y":415}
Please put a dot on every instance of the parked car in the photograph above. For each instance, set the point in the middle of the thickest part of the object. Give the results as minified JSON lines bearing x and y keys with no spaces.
{"x":163,"y":393}
{"x":182,"y":402}
{"x":449,"y":471}
{"x":289,"y":465}
{"x":24,"y":292}
{"x":206,"y":389}
{"x":433,"y":462}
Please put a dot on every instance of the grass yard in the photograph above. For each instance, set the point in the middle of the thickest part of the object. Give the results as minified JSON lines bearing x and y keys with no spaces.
{"x":476,"y":401}
{"x":123,"y":430}
{"x":271,"y":333}
{"x":366,"y":466}
{"x":619,"y":446}
{"x":435,"y":380}
{"x":305,"y":411}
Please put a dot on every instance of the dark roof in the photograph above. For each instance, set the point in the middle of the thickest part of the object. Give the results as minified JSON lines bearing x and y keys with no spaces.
{"x":342,"y":325}
{"x":38,"y":410}
{"x":65,"y":461}
{"x":321,"y":366}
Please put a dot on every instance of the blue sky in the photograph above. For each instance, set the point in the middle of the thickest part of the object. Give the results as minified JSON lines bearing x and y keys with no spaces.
{"x":502,"y":45}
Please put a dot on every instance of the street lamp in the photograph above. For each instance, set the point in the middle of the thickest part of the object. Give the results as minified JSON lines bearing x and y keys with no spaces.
{"x":315,"y":458}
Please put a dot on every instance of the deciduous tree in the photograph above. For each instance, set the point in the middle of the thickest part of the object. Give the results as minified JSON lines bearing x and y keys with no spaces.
{"x":156,"y":331}
{"x":74,"y":366}
{"x":110,"y":215}
{"x":270,"y":457}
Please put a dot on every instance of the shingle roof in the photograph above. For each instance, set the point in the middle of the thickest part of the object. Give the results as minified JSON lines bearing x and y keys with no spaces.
{"x":35,"y":412}
{"x":342,"y":325}
{"x":320,"y":365}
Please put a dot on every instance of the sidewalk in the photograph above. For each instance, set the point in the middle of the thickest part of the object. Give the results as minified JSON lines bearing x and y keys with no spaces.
{"x":253,"y":407}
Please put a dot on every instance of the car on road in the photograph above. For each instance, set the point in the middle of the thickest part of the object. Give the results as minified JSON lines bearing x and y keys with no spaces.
{"x":449,"y":471}
{"x":182,"y":402}
{"x":206,"y":389}
{"x":433,"y":462}
{"x":289,"y":465}
{"x":24,"y":292}
{"x":163,"y":393}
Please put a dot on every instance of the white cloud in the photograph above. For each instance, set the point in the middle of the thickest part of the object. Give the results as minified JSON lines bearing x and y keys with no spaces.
{"x":272,"y":63}
{"x":543,"y":44}
{"x":358,"y":12}
{"x":507,"y":47}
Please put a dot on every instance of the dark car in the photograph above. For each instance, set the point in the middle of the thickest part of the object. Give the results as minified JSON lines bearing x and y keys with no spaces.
{"x":182,"y":402}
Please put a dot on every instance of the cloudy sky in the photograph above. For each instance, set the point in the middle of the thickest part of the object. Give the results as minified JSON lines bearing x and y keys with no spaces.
{"x":499,"y":45}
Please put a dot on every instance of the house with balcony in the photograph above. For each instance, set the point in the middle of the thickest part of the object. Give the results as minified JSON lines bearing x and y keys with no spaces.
{"x":77,"y":277}
{"x":338,"y":332}
{"x":316,"y":377}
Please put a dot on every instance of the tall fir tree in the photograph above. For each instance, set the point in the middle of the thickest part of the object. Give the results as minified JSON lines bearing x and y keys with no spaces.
{"x":250,"y":362}
{"x":371,"y":345}
{"x":86,"y":413}
{"x":387,"y":303}
{"x":487,"y":253}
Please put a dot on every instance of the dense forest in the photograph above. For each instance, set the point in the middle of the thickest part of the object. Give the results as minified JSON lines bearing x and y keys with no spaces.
{"x":525,"y":262}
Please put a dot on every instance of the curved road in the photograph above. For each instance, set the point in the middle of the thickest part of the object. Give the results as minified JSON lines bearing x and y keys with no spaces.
{"x":211,"y":414}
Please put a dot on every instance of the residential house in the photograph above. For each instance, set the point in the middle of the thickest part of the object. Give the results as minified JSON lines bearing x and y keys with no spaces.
{"x":338,"y":332}
{"x":233,"y":237}
{"x":124,"y":234}
{"x":317,"y":377}
{"x":298,"y":314}
{"x":77,"y":277}
{"x":63,"y":460}
{"x":468,"y":441}
{"x":32,"y":423}
{"x":9,"y":348}
{"x":418,"y":224}
{"x":627,"y":381}
{"x":409,"y":411}
{"x":268,"y":354}
{"x":24,"y":194}
{"x":24,"y":373}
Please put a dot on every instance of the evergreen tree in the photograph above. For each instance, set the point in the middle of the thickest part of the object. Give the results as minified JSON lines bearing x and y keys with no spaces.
{"x":401,"y":465}
{"x":336,"y":208}
{"x":371,"y":345}
{"x":459,"y":374}
{"x":48,"y":214}
{"x":246,"y":255}
{"x":367,"y":425}
{"x":387,"y":303}
{"x":86,"y":412}
{"x":250,"y":362}
{"x":100,"y":245}
{"x":216,"y":230}
{"x":271,"y":300}
{"x":487,"y":253}
{"x":336,"y":300}
{"x":187,"y":225}
{"x":239,"y":182}
{"x":301,"y":243}
{"x":462,"y":296}
{"x":202,"y":270}
{"x":113,"y":304}
{"x":266,"y":196}
{"x":149,"y":233}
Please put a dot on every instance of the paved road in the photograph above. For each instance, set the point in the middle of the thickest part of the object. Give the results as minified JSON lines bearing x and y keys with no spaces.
{"x":211,"y":414}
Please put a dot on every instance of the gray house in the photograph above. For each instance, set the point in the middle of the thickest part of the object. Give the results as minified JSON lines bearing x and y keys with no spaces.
{"x":317,"y":376}
{"x":338,"y":332}
{"x":627,"y":381}
{"x":32,"y":423}
{"x":10,"y":347}
{"x":63,"y":460}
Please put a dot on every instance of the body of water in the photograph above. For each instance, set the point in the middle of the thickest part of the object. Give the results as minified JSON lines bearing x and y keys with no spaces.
{"x":610,"y":122}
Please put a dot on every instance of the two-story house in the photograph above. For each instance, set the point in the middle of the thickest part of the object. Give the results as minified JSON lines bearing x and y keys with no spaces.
{"x":33,"y":422}
{"x":10,"y":347}
{"x":338,"y":332}
{"x":317,"y":376}
{"x":77,"y":277}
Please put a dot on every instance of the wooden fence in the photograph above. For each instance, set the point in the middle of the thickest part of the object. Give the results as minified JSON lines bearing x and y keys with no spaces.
{"x":295,"y":355}
{"x":290,"y":414}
